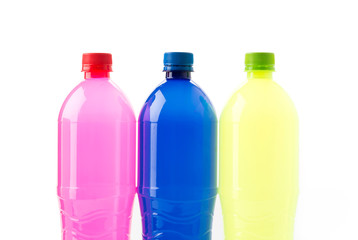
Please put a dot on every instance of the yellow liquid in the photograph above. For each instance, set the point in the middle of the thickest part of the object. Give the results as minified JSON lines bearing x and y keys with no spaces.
{"x":259,"y":161}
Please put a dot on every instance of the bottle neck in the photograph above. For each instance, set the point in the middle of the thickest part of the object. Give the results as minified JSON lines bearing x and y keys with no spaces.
{"x":260,"y":74}
{"x":183,"y":75}
{"x":97,"y":75}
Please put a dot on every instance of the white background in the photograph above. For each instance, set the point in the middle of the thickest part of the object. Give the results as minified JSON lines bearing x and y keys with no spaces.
{"x":315,"y":43}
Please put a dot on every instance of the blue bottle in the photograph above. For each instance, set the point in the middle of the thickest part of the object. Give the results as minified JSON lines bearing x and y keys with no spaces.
{"x":177,"y":184}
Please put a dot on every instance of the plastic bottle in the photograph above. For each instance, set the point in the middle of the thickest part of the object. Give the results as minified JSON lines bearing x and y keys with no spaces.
{"x":259,"y":157}
{"x":96,"y":156}
{"x":177,"y":183}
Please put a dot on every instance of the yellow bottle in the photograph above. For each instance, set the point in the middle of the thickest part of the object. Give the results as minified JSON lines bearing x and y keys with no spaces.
{"x":259,"y":157}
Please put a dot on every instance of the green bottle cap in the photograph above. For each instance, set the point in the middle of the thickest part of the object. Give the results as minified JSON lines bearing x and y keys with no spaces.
{"x":259,"y":61}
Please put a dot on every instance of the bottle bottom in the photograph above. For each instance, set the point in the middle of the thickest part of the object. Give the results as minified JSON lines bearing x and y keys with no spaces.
{"x":270,"y":219}
{"x":176,"y":220}
{"x":101,"y":219}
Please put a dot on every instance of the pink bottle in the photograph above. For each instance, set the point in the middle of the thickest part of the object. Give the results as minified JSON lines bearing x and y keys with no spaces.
{"x":96,"y":156}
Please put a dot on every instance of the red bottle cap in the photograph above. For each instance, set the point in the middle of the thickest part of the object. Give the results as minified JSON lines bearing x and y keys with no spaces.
{"x":97,"y":62}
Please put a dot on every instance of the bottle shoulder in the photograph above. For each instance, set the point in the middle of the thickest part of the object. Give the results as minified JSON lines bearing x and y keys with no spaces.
{"x":96,"y":100}
{"x":177,"y":99}
{"x":258,"y":98}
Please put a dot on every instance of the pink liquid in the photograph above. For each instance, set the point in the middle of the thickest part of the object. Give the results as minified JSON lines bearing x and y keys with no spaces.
{"x":96,"y":162}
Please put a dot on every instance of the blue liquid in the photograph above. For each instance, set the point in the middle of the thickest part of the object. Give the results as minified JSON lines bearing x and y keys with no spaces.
{"x":177,"y":162}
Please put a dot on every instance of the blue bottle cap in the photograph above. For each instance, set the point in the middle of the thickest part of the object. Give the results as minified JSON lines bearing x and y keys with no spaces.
{"x":178,"y":61}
